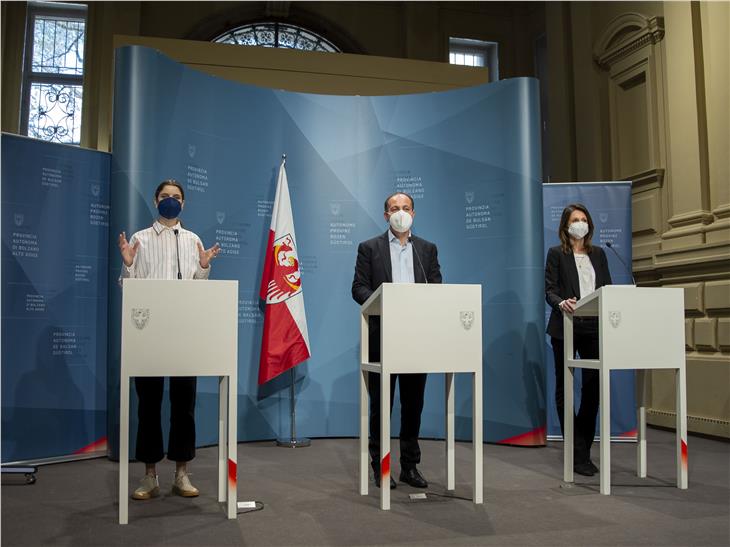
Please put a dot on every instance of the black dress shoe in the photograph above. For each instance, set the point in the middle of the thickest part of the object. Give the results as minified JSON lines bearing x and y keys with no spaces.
{"x":593,"y":467}
{"x":413,"y":477}
{"x":392,"y":482}
{"x":584,"y":469}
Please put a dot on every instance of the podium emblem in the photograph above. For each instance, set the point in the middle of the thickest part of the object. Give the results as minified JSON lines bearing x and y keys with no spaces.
{"x":18,"y":218}
{"x":191,"y":150}
{"x":467,"y":319}
{"x":95,"y":190}
{"x":140,"y":316}
{"x":335,"y":208}
{"x":469,"y":197}
{"x":615,"y":318}
{"x":220,"y":216}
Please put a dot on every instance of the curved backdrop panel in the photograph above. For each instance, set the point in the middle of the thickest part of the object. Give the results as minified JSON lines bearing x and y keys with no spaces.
{"x":469,"y":157}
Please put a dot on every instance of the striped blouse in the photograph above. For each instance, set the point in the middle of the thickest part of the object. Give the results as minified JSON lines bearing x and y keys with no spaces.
{"x":156,"y":256}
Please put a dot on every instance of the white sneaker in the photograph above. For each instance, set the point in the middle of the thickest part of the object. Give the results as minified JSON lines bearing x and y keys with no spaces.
{"x":183,"y":487}
{"x":149,"y":487}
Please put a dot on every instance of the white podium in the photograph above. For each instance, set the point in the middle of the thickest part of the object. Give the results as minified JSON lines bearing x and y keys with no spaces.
{"x":639,"y":328}
{"x":424,"y":329}
{"x":182,"y":328}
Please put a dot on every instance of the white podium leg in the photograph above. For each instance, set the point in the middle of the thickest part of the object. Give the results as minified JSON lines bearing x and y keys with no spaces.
{"x":568,"y":417}
{"x":682,"y":459}
{"x":363,"y":432}
{"x":124,"y":450}
{"x":605,"y":419}
{"x":568,"y":413}
{"x":478,"y":443}
{"x":232,"y":441}
{"x":449,"y":428}
{"x":222,"y":437}
{"x":641,"y":423}
{"x":384,"y":440}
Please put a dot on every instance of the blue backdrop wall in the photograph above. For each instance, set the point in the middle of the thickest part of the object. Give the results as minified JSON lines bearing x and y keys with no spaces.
{"x":55,"y":217}
{"x":469,"y":157}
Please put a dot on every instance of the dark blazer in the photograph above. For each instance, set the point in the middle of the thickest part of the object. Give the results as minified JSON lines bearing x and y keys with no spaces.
{"x":373,"y":268}
{"x":561,"y":283}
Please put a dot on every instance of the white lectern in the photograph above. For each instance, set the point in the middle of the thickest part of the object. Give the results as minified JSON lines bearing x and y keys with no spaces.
{"x":182,"y":328}
{"x":638,"y":328}
{"x":424,"y":328}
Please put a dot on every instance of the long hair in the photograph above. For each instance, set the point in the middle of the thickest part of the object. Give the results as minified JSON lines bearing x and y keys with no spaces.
{"x":563,"y":228}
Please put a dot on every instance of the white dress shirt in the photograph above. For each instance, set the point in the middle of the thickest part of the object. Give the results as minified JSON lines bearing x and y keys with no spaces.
{"x":157,"y":254}
{"x":401,"y":260}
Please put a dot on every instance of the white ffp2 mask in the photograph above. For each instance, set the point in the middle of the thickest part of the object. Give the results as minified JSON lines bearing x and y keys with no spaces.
{"x":578,"y":229}
{"x":400,"y":221}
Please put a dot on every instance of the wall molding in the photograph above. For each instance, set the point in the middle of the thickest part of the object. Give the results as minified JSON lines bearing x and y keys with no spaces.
{"x":647,"y":180}
{"x":625,"y":35}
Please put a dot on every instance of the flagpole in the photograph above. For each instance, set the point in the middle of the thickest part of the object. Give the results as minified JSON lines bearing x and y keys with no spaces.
{"x":292,"y":441}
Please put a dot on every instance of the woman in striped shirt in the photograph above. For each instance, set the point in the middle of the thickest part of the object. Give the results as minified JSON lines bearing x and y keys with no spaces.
{"x":166,"y":251}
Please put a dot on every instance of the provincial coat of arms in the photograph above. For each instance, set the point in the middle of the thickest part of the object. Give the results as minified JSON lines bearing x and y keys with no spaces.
{"x":285,"y":278}
{"x":467,"y":319}
{"x":140,"y":316}
{"x":614,"y":317}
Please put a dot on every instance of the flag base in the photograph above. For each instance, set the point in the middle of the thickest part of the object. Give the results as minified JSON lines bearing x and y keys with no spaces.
{"x":291,"y":442}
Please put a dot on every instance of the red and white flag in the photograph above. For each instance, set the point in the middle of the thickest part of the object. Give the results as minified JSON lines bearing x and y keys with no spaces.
{"x":285,"y":342}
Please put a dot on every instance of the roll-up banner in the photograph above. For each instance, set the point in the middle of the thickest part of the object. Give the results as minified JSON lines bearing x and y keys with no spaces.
{"x":55,"y":222}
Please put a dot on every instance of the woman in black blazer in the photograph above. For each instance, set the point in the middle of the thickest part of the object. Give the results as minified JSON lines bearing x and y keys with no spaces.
{"x":573,"y":270}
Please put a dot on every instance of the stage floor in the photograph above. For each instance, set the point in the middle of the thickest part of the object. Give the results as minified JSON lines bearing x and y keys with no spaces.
{"x":310,"y":497}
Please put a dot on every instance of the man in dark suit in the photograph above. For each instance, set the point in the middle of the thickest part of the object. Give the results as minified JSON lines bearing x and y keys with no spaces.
{"x":395,"y":257}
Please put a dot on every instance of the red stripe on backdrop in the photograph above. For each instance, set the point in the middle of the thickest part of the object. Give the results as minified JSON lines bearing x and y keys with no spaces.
{"x":268,"y":266}
{"x":283,"y":345}
{"x":97,"y":446}
{"x":232,"y":471}
{"x":536,"y":437}
{"x":630,"y":434}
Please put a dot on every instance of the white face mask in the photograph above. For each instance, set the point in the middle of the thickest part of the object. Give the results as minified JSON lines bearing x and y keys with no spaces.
{"x":400,"y":221}
{"x":578,"y":229}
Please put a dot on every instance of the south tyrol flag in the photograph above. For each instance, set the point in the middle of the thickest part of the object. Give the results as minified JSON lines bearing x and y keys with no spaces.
{"x":285,"y":342}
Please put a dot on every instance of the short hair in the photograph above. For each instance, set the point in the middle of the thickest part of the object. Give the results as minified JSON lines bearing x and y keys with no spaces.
{"x":563,"y":228}
{"x":170,"y":182}
{"x":385,"y":206}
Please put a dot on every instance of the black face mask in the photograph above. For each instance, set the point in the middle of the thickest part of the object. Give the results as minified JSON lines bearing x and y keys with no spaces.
{"x":169,"y":208}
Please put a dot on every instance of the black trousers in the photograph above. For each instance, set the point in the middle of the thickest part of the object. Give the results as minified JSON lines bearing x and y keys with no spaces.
{"x":181,"y":442}
{"x":586,"y":346}
{"x":412,"y":388}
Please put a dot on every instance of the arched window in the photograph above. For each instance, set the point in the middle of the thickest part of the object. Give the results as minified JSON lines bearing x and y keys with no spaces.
{"x":274,"y":34}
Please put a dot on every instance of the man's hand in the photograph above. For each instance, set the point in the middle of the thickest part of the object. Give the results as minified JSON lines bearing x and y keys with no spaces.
{"x":128,"y":251}
{"x":206,"y":255}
